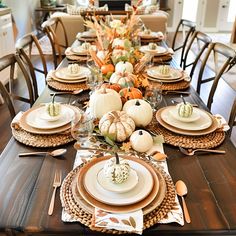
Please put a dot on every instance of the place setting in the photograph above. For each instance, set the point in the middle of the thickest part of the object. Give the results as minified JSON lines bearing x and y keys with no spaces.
{"x":87,"y":36}
{"x":46,"y":125}
{"x":148,"y":36}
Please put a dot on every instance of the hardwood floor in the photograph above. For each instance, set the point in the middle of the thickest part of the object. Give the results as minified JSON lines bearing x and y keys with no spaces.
{"x":222,"y":103}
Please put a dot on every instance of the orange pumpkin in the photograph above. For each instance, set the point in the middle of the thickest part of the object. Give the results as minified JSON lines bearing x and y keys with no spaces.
{"x":130,"y":93}
{"x":107,"y":68}
{"x":115,"y":87}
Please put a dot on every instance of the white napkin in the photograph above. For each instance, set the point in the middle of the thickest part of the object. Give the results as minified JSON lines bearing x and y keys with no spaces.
{"x":222,"y":123}
{"x":15,"y":120}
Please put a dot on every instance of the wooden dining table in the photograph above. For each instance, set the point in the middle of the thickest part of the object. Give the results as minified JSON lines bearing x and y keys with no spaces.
{"x":26,"y":186}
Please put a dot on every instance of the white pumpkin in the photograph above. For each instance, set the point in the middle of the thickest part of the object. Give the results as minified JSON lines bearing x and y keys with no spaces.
{"x":117,"y":125}
{"x":102,"y":54}
{"x":73,"y":68}
{"x":185,"y":109}
{"x":104,"y":100}
{"x":141,"y":141}
{"x":116,"y":169}
{"x":117,"y":42}
{"x":140,"y":111}
{"x":53,"y":108}
{"x":124,"y":79}
{"x":124,"y":66}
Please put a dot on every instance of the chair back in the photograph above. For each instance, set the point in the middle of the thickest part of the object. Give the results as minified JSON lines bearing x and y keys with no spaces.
{"x":9,"y":61}
{"x":184,"y":31}
{"x":50,"y":28}
{"x":194,"y":50}
{"x":7,"y":99}
{"x":223,"y":60}
{"x":232,"y":121}
{"x":24,"y":50}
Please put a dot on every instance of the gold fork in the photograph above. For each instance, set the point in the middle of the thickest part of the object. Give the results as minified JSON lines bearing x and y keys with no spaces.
{"x":56,"y":184}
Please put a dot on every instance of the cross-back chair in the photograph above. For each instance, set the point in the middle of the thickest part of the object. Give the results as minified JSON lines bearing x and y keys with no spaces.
{"x":224,"y":59}
{"x":194,"y":50}
{"x":9,"y":62}
{"x":24,"y":50}
{"x":183,"y":31}
{"x":50,"y":28}
{"x":232,"y":121}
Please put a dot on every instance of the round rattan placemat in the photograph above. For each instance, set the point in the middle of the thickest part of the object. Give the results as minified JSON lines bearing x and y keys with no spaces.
{"x":181,"y":85}
{"x":39,"y":140}
{"x":150,"y":40}
{"x":211,"y":140}
{"x":73,"y":57}
{"x":66,"y":87}
{"x":79,"y":214}
{"x":163,"y":58}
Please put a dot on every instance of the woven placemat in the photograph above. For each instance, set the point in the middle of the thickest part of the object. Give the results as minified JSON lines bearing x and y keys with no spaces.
{"x":150,"y":40}
{"x":79,"y":214}
{"x":163,"y":58}
{"x":180,"y":85}
{"x":66,"y":87}
{"x":211,"y":140}
{"x":77,"y":58}
{"x":39,"y":140}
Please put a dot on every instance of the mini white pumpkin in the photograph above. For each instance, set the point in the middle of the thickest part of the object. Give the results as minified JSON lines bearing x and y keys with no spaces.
{"x":123,"y":66}
{"x":53,"y":108}
{"x":102,"y":54}
{"x":164,"y":70}
{"x":185,"y":109}
{"x":117,"y":125}
{"x":152,"y":46}
{"x":116,"y":169}
{"x":124,"y":79}
{"x":140,"y":111}
{"x":117,"y":42}
{"x":141,"y":141}
{"x":85,"y":46}
{"x":73,"y":68}
{"x":104,"y":100}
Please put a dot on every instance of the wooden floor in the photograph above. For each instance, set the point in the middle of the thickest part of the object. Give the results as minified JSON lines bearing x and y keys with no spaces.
{"x":222,"y":103}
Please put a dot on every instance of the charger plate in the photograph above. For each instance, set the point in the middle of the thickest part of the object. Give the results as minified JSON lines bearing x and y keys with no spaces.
{"x":171,"y":128}
{"x":63,"y":73}
{"x":77,"y":211}
{"x":116,"y":208}
{"x":66,"y":86}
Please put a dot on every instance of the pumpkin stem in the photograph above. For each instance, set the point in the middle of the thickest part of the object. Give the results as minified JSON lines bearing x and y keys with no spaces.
{"x":117,"y":159}
{"x":183,"y":99}
{"x":137,"y":103}
{"x":140,"y":132}
{"x":104,"y":90}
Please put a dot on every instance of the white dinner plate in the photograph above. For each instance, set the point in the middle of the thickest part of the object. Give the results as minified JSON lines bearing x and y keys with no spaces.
{"x":138,"y":193}
{"x":158,"y":51}
{"x":126,"y":186}
{"x":69,"y":81}
{"x":151,"y":35}
{"x":34,"y":119}
{"x":202,"y":123}
{"x":81,"y":51}
{"x":175,"y":74}
{"x":195,"y":115}
{"x":64,"y":74}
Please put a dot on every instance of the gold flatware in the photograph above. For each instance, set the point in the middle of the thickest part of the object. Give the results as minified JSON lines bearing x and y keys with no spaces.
{"x":55,"y":153}
{"x":192,"y":152}
{"x":176,"y":92}
{"x":75,"y":92}
{"x":182,"y":190}
{"x":56,"y":184}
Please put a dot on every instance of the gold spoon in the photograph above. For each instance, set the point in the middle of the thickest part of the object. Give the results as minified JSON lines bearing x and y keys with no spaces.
{"x":55,"y":153}
{"x":182,"y":190}
{"x":75,"y":92}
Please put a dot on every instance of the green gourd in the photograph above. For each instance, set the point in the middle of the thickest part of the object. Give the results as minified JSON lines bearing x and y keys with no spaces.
{"x":185,"y":109}
{"x":116,"y":170}
{"x":53,"y":108}
{"x":152,"y":46}
{"x":164,"y":70}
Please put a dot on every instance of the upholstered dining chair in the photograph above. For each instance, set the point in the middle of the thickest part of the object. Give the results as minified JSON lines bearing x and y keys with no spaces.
{"x":223,"y":60}
{"x":232,"y":117}
{"x":58,"y":44}
{"x":184,"y":30}
{"x":194,"y":50}
{"x":24,"y":50}
{"x":9,"y":62}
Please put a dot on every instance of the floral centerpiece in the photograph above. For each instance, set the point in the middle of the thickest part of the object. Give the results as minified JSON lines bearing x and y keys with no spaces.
{"x":117,"y":41}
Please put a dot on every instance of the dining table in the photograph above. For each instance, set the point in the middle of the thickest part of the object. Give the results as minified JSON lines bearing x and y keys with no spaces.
{"x":26,"y":184}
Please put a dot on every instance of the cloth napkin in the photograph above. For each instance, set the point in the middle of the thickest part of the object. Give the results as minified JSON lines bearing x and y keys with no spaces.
{"x":222,"y":123}
{"x":16,"y":119}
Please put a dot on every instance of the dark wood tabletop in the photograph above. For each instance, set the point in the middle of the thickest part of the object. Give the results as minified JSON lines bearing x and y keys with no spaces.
{"x":26,"y":187}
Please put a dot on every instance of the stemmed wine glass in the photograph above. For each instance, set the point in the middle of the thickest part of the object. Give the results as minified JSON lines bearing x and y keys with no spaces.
{"x":154,"y":96}
{"x":82,"y":127}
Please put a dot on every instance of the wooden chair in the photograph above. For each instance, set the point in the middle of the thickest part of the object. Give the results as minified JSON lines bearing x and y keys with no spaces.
{"x":7,"y":98}
{"x":232,"y":121}
{"x":9,"y":61}
{"x":224,"y":59}
{"x":24,"y":49}
{"x":199,"y":40}
{"x":184,"y":29}
{"x":50,"y":28}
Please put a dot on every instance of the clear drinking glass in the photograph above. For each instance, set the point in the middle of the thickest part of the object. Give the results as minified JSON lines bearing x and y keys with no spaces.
{"x":154,"y":96}
{"x":82,"y":127}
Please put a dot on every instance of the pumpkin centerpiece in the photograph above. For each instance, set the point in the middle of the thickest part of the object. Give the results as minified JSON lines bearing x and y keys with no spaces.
{"x":124,"y":79}
{"x":185,"y":109}
{"x":104,"y":100}
{"x":140,"y":111}
{"x":141,"y":141}
{"x":117,"y":125}
{"x":117,"y":169}
{"x":130,"y":93}
{"x":53,"y":108}
{"x":115,"y":87}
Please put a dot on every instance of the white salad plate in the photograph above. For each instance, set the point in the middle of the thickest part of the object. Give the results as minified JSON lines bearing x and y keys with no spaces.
{"x":81,"y":51}
{"x":202,"y":123}
{"x":194,"y":117}
{"x":136,"y":194}
{"x":34,"y":118}
{"x":174,"y":74}
{"x":126,"y":186}
{"x":158,"y":51}
{"x":151,"y":35}
{"x":64,"y":73}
